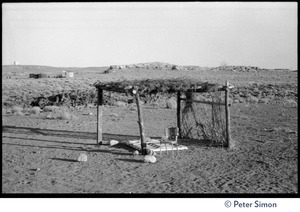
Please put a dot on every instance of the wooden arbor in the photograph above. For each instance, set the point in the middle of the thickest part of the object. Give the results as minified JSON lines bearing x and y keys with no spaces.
{"x":153,"y":86}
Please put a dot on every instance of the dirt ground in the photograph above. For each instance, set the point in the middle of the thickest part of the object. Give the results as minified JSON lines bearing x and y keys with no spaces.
{"x":40,"y":155}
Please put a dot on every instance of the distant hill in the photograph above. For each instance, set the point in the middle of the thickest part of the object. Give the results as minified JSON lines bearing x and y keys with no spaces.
{"x":46,"y":69}
{"x":147,"y":65}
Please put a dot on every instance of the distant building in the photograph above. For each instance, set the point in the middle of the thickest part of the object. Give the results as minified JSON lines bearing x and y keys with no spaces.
{"x":67,"y":74}
{"x":16,"y":63}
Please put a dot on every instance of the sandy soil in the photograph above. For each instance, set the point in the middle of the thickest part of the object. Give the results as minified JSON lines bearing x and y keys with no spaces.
{"x":39,"y":155}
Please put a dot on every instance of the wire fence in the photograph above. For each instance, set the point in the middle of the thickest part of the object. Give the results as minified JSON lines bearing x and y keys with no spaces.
{"x":203,"y":117}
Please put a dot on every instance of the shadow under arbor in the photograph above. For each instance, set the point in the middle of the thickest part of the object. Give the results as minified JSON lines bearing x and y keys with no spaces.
{"x":202,"y":107}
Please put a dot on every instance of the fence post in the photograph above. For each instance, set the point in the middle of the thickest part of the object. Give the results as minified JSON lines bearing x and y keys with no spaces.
{"x":227,"y":114}
{"x":99,"y":115}
{"x":178,"y":113}
{"x":140,"y":122}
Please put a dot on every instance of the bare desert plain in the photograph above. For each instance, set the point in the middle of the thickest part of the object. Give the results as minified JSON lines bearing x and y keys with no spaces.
{"x":41,"y":143}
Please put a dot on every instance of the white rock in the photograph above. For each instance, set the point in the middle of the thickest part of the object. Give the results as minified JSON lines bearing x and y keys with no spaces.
{"x":113,"y":142}
{"x":171,"y":103}
{"x":82,"y":158}
{"x":149,"y":159}
{"x":136,"y":152}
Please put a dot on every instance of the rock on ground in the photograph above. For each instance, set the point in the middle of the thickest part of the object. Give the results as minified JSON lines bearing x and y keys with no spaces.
{"x":82,"y":158}
{"x":113,"y":142}
{"x":136,"y":152}
{"x":149,"y":159}
{"x":171,"y":103}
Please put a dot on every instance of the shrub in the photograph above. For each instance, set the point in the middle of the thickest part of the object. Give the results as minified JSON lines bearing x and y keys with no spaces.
{"x":264,"y":100}
{"x":19,"y":113}
{"x":16,"y":109}
{"x":290,"y":101}
{"x":252,"y":99}
{"x":236,"y":101}
{"x":8,"y":103}
{"x":174,"y":67}
{"x":160,"y":102}
{"x":26,"y":110}
{"x":120,"y":104}
{"x":51,"y":108}
{"x":35,"y":110}
{"x":202,"y":98}
{"x":65,"y":115}
{"x":242,"y":100}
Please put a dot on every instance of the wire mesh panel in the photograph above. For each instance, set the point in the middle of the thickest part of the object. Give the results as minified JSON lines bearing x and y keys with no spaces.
{"x":204,"y":121}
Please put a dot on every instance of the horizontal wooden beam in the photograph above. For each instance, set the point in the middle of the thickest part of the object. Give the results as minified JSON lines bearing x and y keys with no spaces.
{"x":203,"y":102}
{"x":121,"y":90}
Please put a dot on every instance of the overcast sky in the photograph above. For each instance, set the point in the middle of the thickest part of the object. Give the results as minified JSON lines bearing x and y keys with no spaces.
{"x":194,"y":33}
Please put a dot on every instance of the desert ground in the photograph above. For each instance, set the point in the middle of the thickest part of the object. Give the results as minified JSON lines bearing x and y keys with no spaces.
{"x":40,"y":149}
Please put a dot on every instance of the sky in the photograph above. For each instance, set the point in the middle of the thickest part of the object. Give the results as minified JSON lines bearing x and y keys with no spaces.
{"x":192,"y":33}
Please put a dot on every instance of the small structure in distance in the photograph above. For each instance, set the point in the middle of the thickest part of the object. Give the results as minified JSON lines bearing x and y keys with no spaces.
{"x":66,"y":74}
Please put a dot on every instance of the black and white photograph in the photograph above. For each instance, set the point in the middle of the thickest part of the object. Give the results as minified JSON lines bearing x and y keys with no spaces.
{"x":158,"y":99}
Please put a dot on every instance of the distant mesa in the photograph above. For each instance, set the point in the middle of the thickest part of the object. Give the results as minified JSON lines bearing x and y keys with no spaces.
{"x":240,"y":68}
{"x":173,"y":67}
{"x":16,"y":66}
{"x":151,"y":66}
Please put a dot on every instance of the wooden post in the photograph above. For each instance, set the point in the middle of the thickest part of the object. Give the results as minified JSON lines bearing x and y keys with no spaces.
{"x":227,"y":113}
{"x":140,"y":122}
{"x":99,"y":115}
{"x":178,"y":113}
{"x":213,"y":131}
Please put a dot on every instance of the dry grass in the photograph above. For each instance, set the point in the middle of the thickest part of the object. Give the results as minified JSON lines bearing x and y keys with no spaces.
{"x":23,"y":91}
{"x":60,"y":114}
{"x":252,"y":99}
{"x":19,"y":113}
{"x":35,"y":110}
{"x":51,"y":108}
{"x":64,"y":115}
{"x":4,"y":111}
{"x":17,"y":110}
{"x":264,"y":100}
{"x":290,"y":101}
